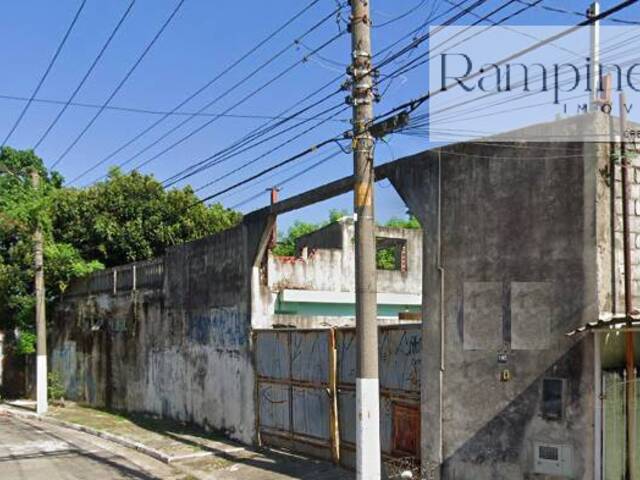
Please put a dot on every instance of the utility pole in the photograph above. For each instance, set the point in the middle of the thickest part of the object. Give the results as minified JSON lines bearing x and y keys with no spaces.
{"x":595,"y":83}
{"x":274,"y":231}
{"x":630,"y":384}
{"x":367,"y":383}
{"x":41,"y":325}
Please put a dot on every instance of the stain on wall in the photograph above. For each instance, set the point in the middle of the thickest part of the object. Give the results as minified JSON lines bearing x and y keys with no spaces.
{"x":180,"y":350}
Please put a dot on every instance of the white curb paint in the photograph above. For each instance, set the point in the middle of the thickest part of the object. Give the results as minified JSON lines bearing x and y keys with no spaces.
{"x":41,"y":385}
{"x":367,"y":429}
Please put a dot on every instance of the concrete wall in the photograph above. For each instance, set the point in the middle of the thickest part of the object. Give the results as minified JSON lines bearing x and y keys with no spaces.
{"x":510,"y":267}
{"x":333,"y":269}
{"x":326,"y":262}
{"x":180,"y":351}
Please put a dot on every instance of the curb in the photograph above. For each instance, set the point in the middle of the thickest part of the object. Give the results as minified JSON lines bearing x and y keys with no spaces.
{"x":125,"y":442}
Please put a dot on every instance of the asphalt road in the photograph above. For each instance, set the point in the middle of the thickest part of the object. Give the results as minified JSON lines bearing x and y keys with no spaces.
{"x":35,"y":451}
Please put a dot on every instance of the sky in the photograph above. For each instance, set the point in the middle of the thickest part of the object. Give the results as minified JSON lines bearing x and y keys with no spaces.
{"x":202,"y":40}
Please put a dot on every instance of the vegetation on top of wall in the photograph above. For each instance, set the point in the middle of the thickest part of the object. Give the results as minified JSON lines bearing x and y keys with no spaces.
{"x":385,"y":257}
{"x":124,"y":218}
{"x":286,"y":246}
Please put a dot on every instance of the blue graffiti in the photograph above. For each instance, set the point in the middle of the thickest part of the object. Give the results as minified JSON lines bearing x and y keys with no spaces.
{"x":222,"y":327}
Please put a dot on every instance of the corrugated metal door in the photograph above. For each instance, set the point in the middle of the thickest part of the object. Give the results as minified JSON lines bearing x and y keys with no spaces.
{"x":295,"y":397}
{"x":614,"y":425}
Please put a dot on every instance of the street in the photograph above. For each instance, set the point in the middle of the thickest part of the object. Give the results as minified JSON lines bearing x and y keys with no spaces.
{"x":36,"y":451}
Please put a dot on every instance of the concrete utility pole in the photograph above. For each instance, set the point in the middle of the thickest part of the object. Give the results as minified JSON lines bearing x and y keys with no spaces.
{"x":594,"y":11}
{"x":630,"y":384}
{"x":273,"y":241}
{"x":41,"y":325}
{"x":367,"y":387}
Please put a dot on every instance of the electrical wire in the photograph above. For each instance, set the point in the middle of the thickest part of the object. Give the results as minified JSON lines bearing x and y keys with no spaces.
{"x":413,"y":104}
{"x":122,"y":82}
{"x":235,"y":105}
{"x":46,"y":73}
{"x":422,"y":121}
{"x":208,"y":84}
{"x":287,"y":161}
{"x":575,"y":13}
{"x":401,"y":16}
{"x":261,"y":130}
{"x":219,"y":97}
{"x":251,"y":162}
{"x":146,"y":111}
{"x":289,"y":179}
{"x":190,"y":171}
{"x":86,"y":75}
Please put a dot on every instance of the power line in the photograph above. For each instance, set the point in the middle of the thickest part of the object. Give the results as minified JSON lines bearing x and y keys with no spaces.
{"x":289,"y":160}
{"x":46,"y":73}
{"x":421,"y":121}
{"x":202,"y":165}
{"x":232,"y":151}
{"x":268,"y":126}
{"x":204,"y":87}
{"x":575,"y":13}
{"x":86,"y":75}
{"x":122,"y":82}
{"x":416,"y":62}
{"x":243,"y":100}
{"x":415,"y":103}
{"x":146,"y":111}
{"x":290,"y":178}
{"x":219,"y":97}
{"x":274,"y":149}
{"x":401,"y":16}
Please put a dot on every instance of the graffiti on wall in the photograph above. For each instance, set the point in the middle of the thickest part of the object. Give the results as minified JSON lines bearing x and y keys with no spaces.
{"x":220,"y":327}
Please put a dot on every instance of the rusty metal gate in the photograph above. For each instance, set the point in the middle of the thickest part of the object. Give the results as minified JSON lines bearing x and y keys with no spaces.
{"x":306,"y":391}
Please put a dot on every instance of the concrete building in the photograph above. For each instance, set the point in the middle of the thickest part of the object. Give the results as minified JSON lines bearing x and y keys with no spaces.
{"x":317,"y":286}
{"x":520,"y":247}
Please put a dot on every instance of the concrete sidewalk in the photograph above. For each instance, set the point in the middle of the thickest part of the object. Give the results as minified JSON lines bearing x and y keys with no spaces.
{"x":198,"y":454}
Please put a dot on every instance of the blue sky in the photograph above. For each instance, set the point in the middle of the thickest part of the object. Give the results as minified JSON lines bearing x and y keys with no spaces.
{"x":203,"y":39}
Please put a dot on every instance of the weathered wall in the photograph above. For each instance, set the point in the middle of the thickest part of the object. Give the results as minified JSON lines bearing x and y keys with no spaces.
{"x":634,"y":227}
{"x":512,"y":238}
{"x":333,"y":269}
{"x":181,"y":351}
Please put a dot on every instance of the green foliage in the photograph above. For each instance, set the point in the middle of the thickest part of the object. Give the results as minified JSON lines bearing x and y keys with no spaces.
{"x":409,"y":222}
{"x":26,"y":343}
{"x":55,"y":388}
{"x":63,"y":263}
{"x":286,"y":246}
{"x":122,"y":219}
{"x":131,"y":217}
{"x":386,"y":259}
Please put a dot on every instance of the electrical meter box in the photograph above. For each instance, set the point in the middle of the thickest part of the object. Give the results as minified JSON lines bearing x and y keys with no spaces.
{"x":553,"y":459}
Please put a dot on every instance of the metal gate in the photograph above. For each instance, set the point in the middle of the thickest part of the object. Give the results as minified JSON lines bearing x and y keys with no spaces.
{"x":306,"y":391}
{"x":615,"y":426}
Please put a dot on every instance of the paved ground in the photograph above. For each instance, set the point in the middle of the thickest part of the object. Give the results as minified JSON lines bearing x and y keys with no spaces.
{"x":34,"y":450}
{"x":30,"y":451}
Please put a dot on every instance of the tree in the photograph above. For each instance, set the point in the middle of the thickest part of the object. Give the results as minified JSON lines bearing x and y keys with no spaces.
{"x":132,"y":217}
{"x":122,"y":219}
{"x":286,"y":246}
{"x":385,"y":257}
{"x":410,"y":222}
{"x":23,"y":209}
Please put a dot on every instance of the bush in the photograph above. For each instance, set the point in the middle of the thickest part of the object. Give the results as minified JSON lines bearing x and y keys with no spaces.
{"x":55,"y":389}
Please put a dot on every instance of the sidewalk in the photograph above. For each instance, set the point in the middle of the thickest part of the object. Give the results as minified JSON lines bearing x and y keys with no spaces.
{"x":197,"y":454}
